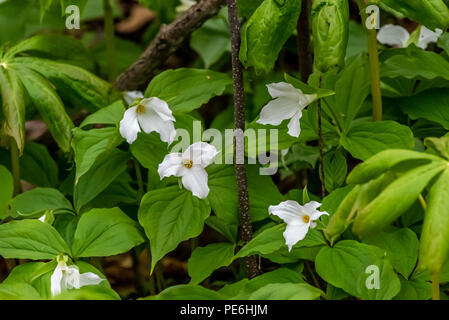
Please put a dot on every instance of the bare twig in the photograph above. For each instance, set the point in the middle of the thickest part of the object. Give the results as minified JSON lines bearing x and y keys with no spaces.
{"x":305,"y":58}
{"x":252,"y":268}
{"x":165,"y":43}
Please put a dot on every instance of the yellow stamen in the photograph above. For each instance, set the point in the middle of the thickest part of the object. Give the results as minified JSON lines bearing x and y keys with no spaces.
{"x":188,"y":163}
{"x":306,"y":219}
{"x":140,"y":108}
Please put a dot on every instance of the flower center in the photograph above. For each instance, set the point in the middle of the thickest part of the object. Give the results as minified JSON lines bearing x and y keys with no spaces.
{"x":140,"y":108}
{"x":187,"y":163}
{"x":306,"y":219}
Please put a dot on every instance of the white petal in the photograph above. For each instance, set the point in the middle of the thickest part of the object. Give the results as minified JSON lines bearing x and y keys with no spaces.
{"x":201,"y":153}
{"x":195,"y":180}
{"x":89,"y":278}
{"x":42,"y":218}
{"x":129,"y":126}
{"x":294,"y":233}
{"x":311,"y":207}
{"x":130,"y":96}
{"x":427,"y":36}
{"x":283,"y":89}
{"x":171,"y":165}
{"x":294,"y":127}
{"x":55,"y":281}
{"x":279,"y":109}
{"x":160,"y":107}
{"x":71,"y":279}
{"x":289,"y":211}
{"x":150,"y":121}
{"x":393,"y":35}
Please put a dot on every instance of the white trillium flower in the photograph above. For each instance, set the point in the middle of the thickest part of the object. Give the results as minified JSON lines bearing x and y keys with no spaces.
{"x":152,"y":114}
{"x":43,"y":218}
{"x":288,"y":103}
{"x":185,"y":5}
{"x":190,"y":166}
{"x":130,"y":96}
{"x":298,"y":219}
{"x":398,"y":36}
{"x":68,"y":277}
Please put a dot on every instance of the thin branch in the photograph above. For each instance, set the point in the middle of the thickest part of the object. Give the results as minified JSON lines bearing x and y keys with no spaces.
{"x":165,"y":43}
{"x":252,"y":268}
{"x":305,"y":57}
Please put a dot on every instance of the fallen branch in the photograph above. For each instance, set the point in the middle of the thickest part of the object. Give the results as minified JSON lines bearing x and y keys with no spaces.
{"x":246,"y":234}
{"x":165,"y":43}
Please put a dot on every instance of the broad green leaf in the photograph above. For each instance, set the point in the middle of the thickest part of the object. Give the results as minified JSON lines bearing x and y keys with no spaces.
{"x":395,"y":199}
{"x":286,"y":291}
{"x":105,"y":232}
{"x":415,"y":288}
{"x":345,"y":266}
{"x":433,"y":249}
{"x":366,"y":139}
{"x":110,"y":115}
{"x":275,"y":20}
{"x":37,"y":166}
{"x":34,"y":203}
{"x":223,"y":193}
{"x":271,"y":240}
{"x":6,"y":190}
{"x":443,"y":42}
{"x":18,"y":291}
{"x":415,"y":63}
{"x":401,"y":247}
{"x":205,"y":260}
{"x":212,"y":39}
{"x":431,"y":13}
{"x":49,"y":105}
{"x":169,"y":216}
{"x":30,"y":239}
{"x":88,"y":145}
{"x":438,"y":145}
{"x":335,"y":169}
{"x":385,"y":160}
{"x":75,"y":85}
{"x":105,"y":170}
{"x":247,"y":7}
{"x":186,"y":89}
{"x":432,"y":105}
{"x":13,"y":108}
{"x":186,"y":292}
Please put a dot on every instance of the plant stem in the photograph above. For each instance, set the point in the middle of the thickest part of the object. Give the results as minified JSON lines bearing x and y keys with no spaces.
{"x":15,"y":167}
{"x":305,"y":58}
{"x":251,"y":266}
{"x":141,"y":190}
{"x":436,"y":286}
{"x":376,"y":92}
{"x":422,"y":201}
{"x":109,"y":39}
{"x":320,"y":146}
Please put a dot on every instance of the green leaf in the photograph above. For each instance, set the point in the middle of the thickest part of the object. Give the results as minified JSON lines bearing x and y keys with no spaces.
{"x":186,"y":89}
{"x":415,"y":63}
{"x":12,"y":94}
{"x":345,"y":266}
{"x":416,"y":288}
{"x":205,"y":260}
{"x":286,"y":291}
{"x":395,"y":199}
{"x":401,"y":247}
{"x":212,"y":39}
{"x":335,"y":169}
{"x":271,"y":240}
{"x":223,"y":193}
{"x":91,"y":144}
{"x":170,"y":216}
{"x":6,"y":190}
{"x":34,"y":203}
{"x":186,"y":292}
{"x":50,"y":107}
{"x":366,"y":139}
{"x":432,"y":105}
{"x":275,"y":20}
{"x":434,"y":246}
{"x":105,"y":170}
{"x":37,"y":166}
{"x":432,"y":13}
{"x":110,"y":115}
{"x":30,"y":239}
{"x":18,"y":291}
{"x":75,"y":85}
{"x":105,"y":232}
